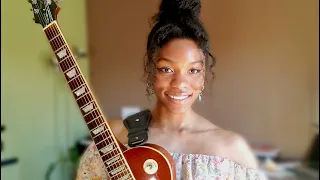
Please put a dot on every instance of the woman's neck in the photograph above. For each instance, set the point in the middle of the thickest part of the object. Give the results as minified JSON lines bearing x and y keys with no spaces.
{"x":164,"y":119}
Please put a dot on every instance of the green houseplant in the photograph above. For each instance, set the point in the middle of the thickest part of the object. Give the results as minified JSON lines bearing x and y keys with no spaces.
{"x":70,"y":160}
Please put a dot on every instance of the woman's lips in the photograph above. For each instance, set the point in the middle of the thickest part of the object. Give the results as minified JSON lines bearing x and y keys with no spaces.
{"x":178,"y":99}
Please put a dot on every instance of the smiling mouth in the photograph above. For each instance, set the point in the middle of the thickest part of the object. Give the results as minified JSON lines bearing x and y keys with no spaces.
{"x":178,"y":98}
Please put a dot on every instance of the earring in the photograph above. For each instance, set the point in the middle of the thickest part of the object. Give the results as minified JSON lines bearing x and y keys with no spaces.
{"x":200,"y":94}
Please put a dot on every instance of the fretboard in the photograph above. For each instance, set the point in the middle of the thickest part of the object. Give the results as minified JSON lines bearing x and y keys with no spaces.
{"x":100,"y":132}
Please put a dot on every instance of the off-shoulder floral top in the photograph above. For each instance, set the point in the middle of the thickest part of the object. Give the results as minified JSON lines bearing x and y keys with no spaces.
{"x":188,"y":167}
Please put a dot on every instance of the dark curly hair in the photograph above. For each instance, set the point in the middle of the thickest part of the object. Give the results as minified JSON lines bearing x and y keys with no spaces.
{"x":175,"y":19}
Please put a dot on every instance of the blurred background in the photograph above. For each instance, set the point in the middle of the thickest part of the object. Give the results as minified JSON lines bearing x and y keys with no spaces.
{"x":266,"y":86}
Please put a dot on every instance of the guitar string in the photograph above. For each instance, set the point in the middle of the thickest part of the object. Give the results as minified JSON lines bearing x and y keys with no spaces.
{"x":42,"y":22}
{"x":123,"y":173}
{"x":43,"y":18}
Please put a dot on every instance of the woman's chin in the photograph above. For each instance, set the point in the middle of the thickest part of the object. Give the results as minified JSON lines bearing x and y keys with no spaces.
{"x":177,"y":110}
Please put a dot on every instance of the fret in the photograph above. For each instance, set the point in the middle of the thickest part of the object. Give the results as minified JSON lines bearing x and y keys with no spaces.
{"x":95,"y":123}
{"x":99,"y":118}
{"x":113,"y":160}
{"x":54,"y":30}
{"x":65,"y":58}
{"x":80,"y":92}
{"x":107,"y":149}
{"x":125,"y":175}
{"x":115,"y":163}
{"x":88,"y":110}
{"x":71,"y":73}
{"x":50,"y":32}
{"x":62,"y":47}
{"x":104,"y":136}
{"x":62,"y":54}
{"x":83,"y":100}
{"x":92,"y":115}
{"x":109,"y":154}
{"x":97,"y":130}
{"x":88,"y":107}
{"x":101,"y":134}
{"x":54,"y":37}
{"x":117,"y":171}
{"x":67,"y":64}
{"x":76,"y":82}
{"x":78,"y":88}
{"x":57,"y":42}
{"x":78,"y":76}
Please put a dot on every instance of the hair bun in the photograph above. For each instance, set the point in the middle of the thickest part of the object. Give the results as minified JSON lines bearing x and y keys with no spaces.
{"x":172,"y":9}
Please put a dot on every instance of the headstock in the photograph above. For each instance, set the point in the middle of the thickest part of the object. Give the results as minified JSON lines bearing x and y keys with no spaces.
{"x":44,"y":11}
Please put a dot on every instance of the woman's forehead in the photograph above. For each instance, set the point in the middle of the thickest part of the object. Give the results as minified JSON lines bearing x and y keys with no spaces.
{"x":180,"y":50}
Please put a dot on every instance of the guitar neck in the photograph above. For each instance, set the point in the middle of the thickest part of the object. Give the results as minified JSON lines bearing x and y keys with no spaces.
{"x":101,"y":134}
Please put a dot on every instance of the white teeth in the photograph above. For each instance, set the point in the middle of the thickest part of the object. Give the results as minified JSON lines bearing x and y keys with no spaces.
{"x":178,"y":97}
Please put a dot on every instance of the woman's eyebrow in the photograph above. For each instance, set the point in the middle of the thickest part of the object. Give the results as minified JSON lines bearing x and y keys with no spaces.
{"x":198,"y":61}
{"x":164,"y":59}
{"x":171,"y":61}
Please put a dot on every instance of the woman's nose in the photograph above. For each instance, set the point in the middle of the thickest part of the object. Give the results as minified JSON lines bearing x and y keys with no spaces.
{"x":179,"y":80}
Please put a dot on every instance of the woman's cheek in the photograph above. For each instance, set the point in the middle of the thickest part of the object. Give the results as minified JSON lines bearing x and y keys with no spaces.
{"x":163,"y":78}
{"x":197,"y":82}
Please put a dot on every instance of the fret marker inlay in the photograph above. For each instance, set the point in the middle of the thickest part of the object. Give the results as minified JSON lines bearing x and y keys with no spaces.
{"x":113,"y":160}
{"x":80,"y":91}
{"x":88,"y":108}
{"x":62,"y":53}
{"x":117,"y":170}
{"x":126,"y":177}
{"x":101,"y":133}
{"x":72,"y":73}
{"x":107,"y":149}
{"x":98,"y":130}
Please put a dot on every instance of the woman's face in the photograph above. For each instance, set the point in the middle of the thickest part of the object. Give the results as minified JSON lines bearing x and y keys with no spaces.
{"x":180,"y":71}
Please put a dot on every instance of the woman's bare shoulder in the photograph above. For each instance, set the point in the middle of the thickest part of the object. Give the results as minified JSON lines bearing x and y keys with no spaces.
{"x":228,"y":144}
{"x":119,"y":130}
{"x":235,"y":147}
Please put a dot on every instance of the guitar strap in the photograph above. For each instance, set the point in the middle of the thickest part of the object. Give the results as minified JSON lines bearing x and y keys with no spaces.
{"x":137,"y":125}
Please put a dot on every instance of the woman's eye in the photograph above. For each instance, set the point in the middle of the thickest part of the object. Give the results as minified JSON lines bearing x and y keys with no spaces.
{"x":194,"y":71}
{"x":165,"y":70}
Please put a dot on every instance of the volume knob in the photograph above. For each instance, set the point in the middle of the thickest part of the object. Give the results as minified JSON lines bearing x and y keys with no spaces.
{"x":150,"y":166}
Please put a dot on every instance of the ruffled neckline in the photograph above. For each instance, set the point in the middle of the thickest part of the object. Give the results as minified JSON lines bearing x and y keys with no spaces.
{"x":206,"y":156}
{"x":211,"y":157}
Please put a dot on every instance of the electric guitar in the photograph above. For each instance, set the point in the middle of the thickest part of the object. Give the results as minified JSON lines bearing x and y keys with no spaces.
{"x":147,"y":162}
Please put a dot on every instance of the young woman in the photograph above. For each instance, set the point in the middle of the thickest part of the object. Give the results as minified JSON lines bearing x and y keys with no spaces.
{"x":178,"y":60}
